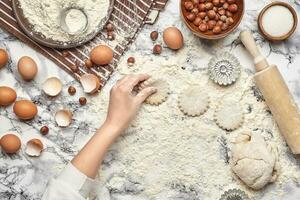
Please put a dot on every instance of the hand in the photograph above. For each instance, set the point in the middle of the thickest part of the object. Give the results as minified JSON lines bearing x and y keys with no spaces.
{"x":123,"y":105}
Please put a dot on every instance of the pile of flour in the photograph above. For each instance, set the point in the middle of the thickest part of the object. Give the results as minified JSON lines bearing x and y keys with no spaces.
{"x":166,"y":155}
{"x":44,"y":15}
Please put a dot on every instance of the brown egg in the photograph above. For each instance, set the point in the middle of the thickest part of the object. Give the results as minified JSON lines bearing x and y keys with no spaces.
{"x":7,"y":95}
{"x":10,"y":143}
{"x":173,"y":38}
{"x":27,"y":68}
{"x":25,"y":109}
{"x":3,"y":58}
{"x":101,"y":55}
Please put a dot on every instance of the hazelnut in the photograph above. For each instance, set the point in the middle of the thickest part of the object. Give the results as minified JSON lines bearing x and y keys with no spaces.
{"x":202,"y":15}
{"x":233,"y":8}
{"x":203,"y":27}
{"x":219,"y":23}
{"x":229,"y":21}
{"x":209,"y":6}
{"x":229,"y":14}
{"x":109,"y":27}
{"x":88,"y":63}
{"x":65,"y":53}
{"x":217,"y":30}
{"x":191,"y":17}
{"x":223,"y":18}
{"x":195,"y":2}
{"x":197,"y":21}
{"x":211,"y":14}
{"x":206,"y":19}
{"x":195,"y":11}
{"x":231,"y":1}
{"x":222,"y":12}
{"x":110,"y":35}
{"x":217,"y":17}
{"x":211,"y":24}
{"x":71,"y":90}
{"x":44,"y":130}
{"x":154,"y":35}
{"x":82,"y":101}
{"x":157,"y":49}
{"x":215,"y":9}
{"x":222,"y":1}
{"x":74,"y":68}
{"x":224,"y":27}
{"x":130,"y":61}
{"x":225,"y":6}
{"x":188,"y":5}
{"x":201,"y":7}
{"x":202,"y":1}
{"x":216,"y":2}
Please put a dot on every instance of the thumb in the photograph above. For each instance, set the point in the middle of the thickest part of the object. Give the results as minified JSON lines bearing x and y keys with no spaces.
{"x":144,"y":93}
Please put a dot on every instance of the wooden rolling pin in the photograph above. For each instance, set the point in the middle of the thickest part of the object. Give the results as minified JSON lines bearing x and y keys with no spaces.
{"x":276,"y":93}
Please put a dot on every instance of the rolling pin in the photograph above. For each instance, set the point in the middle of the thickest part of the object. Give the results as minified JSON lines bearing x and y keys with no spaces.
{"x":276,"y":93}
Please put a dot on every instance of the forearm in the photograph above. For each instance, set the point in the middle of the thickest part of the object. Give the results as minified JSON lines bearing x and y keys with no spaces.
{"x":91,"y":156}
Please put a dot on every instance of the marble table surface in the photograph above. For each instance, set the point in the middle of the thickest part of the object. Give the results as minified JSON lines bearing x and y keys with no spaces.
{"x":22,"y":177}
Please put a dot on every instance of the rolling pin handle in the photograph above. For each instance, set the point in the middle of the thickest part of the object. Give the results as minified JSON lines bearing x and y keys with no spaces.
{"x":248,"y":41}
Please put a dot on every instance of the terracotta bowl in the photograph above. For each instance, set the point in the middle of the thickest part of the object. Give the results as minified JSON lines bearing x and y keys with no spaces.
{"x":284,"y":37}
{"x":209,"y":35}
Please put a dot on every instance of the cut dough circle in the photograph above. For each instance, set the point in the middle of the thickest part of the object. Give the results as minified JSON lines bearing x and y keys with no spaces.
{"x":253,"y":161}
{"x":229,"y":115}
{"x":162,"y":92}
{"x":193,"y":101}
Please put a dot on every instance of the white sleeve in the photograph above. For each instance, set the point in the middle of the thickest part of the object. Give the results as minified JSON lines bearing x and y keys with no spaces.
{"x":71,"y":184}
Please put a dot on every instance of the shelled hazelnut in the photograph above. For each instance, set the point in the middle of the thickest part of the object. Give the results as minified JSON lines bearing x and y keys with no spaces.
{"x":82,"y":101}
{"x":110,"y":35}
{"x":71,"y":90}
{"x":154,"y":35}
{"x":188,"y":5}
{"x":109,"y":27}
{"x":157,"y":49}
{"x":191,"y":17}
{"x":211,"y":15}
{"x":203,"y":27}
{"x":131,"y":61}
{"x":197,"y":21}
{"x":44,"y":130}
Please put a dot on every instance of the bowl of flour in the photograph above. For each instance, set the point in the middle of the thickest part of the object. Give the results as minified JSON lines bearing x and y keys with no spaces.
{"x":41,"y":20}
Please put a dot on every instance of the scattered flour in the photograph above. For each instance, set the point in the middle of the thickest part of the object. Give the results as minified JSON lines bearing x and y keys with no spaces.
{"x":45,"y":17}
{"x":166,"y":155}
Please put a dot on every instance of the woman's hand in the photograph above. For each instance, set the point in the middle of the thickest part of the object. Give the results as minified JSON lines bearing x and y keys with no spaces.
{"x":123,"y":105}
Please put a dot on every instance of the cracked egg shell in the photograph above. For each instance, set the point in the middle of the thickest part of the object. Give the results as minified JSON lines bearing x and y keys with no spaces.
{"x":25,"y":109}
{"x":90,"y":83}
{"x":34,"y":147}
{"x":101,"y":55}
{"x":63,"y":118}
{"x":52,"y":86}
{"x":10,"y":143}
{"x":7,"y":95}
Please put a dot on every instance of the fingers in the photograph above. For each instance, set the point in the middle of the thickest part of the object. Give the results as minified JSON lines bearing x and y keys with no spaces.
{"x":136,"y":79}
{"x":145,"y":93}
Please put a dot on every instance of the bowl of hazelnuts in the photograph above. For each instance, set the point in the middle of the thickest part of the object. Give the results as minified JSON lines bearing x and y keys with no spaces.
{"x":212,"y":19}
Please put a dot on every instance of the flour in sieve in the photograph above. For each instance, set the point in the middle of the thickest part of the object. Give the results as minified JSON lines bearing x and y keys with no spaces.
{"x":166,"y":155}
{"x":44,"y":15}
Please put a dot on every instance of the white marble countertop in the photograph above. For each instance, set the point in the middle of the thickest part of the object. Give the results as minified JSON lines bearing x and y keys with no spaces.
{"x":22,"y":177}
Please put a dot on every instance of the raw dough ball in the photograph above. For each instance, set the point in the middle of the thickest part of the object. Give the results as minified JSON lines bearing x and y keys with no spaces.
{"x":253,"y":161}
